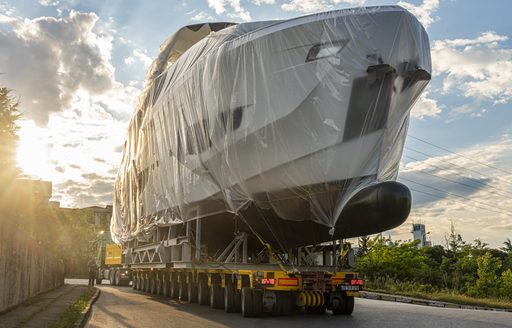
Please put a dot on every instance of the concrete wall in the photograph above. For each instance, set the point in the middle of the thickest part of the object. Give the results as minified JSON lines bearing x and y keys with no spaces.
{"x":26,"y":269}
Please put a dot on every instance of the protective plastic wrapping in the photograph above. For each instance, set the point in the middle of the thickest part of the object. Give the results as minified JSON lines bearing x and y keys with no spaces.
{"x":291,"y":117}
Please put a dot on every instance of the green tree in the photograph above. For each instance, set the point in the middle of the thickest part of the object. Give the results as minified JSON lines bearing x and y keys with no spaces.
{"x":400,"y":261}
{"x":487,"y":284}
{"x":8,"y":134}
{"x":506,"y":284}
{"x":508,"y":246}
{"x":363,"y":245}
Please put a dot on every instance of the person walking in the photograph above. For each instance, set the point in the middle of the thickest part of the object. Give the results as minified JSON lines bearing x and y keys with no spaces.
{"x":93,"y":267}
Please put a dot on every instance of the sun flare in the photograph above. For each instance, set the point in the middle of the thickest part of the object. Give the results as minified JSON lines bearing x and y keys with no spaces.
{"x":34,"y":151}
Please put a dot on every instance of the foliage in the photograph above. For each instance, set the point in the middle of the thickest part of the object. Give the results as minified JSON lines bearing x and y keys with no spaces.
{"x":487,"y":282}
{"x":74,"y":240}
{"x":459,"y":268}
{"x":8,"y":128}
{"x":401,"y":261}
{"x":69,"y":317}
{"x":68,"y":234}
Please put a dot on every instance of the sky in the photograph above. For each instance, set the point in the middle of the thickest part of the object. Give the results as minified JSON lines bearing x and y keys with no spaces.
{"x":79,"y":68}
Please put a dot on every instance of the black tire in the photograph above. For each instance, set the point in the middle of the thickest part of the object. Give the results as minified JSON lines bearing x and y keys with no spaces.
{"x":158,"y":286}
{"x":166,"y":288}
{"x":175,"y":290}
{"x":192,"y":292}
{"x":339,"y":307}
{"x":147,"y":281}
{"x":140,"y":282}
{"x":98,"y":281}
{"x":152,"y":285}
{"x":203,"y":294}
{"x":247,"y":307}
{"x":230,"y":298}
{"x":117,"y":278}
{"x":283,"y":304}
{"x":349,"y":305}
{"x":257,"y":302}
{"x":183,"y":292}
{"x":216,"y":296}
{"x":134,"y":281}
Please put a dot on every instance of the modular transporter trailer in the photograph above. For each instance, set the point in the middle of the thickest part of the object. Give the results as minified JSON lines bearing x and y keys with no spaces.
{"x":178,"y":265}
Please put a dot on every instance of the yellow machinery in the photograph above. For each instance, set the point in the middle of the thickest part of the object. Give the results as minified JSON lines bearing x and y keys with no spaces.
{"x":112,"y":254}
{"x":110,"y":259}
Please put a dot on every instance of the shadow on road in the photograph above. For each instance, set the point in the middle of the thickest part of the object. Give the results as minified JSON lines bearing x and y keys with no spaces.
{"x":296,"y":319}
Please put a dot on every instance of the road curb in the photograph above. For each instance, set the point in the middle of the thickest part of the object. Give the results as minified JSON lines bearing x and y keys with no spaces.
{"x":86,"y":313}
{"x":418,"y":301}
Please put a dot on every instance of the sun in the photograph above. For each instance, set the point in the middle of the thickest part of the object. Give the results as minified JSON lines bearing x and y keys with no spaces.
{"x":33,"y":153}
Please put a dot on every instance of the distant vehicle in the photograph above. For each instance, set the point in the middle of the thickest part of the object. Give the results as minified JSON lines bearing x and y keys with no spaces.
{"x":257,"y":148}
{"x":110,"y":266}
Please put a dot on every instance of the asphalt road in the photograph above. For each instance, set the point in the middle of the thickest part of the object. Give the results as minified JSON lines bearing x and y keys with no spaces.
{"x":124,"y":307}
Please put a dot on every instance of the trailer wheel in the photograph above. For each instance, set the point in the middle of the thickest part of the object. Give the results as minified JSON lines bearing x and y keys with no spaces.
{"x":283,"y":304}
{"x":345,"y":305}
{"x":175,"y":293}
{"x":203,"y":294}
{"x":117,"y":278}
{"x":192,"y":292}
{"x":146,"y":282}
{"x":349,"y":305}
{"x":216,"y":297}
{"x":230,"y":298}
{"x":257,"y":302}
{"x":140,"y":282}
{"x":137,"y":281}
{"x":152,"y":285}
{"x":158,"y":285}
{"x":183,"y":292}
{"x":134,"y":281}
{"x":165,"y":286}
{"x":247,"y":302}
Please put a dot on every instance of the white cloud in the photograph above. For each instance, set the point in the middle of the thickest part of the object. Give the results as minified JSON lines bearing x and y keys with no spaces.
{"x":217,"y":5}
{"x":424,"y":11}
{"x":486,"y":213}
{"x":46,"y":60}
{"x":201,"y":17}
{"x":425,"y":107}
{"x":7,"y":14}
{"x":89,"y":130}
{"x":479,"y":68}
{"x":62,"y":70}
{"x":140,"y":56}
{"x":235,"y":9}
{"x":311,"y":6}
{"x":263,"y":2}
{"x":48,"y":3}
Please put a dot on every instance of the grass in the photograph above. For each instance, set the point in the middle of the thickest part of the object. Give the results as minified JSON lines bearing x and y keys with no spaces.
{"x":74,"y":311}
{"x":446,"y":296}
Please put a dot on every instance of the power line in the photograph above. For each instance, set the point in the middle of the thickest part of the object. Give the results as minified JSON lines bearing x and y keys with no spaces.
{"x":458,"y":201}
{"x":452,"y":152}
{"x":459,"y":196}
{"x":457,"y":165}
{"x":504,"y":194}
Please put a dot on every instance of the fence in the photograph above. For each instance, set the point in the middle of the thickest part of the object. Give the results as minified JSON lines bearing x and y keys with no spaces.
{"x":26,"y":269}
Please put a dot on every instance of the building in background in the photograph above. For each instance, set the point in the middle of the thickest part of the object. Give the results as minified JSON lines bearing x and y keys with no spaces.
{"x":97,"y":216}
{"x":420,"y":233}
{"x":102,"y":216}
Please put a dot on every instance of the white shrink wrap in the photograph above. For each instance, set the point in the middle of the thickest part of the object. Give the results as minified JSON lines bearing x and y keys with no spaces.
{"x":290,"y":129}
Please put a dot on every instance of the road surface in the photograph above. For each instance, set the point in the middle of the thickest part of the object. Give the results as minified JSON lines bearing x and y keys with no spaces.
{"x":125,"y":307}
